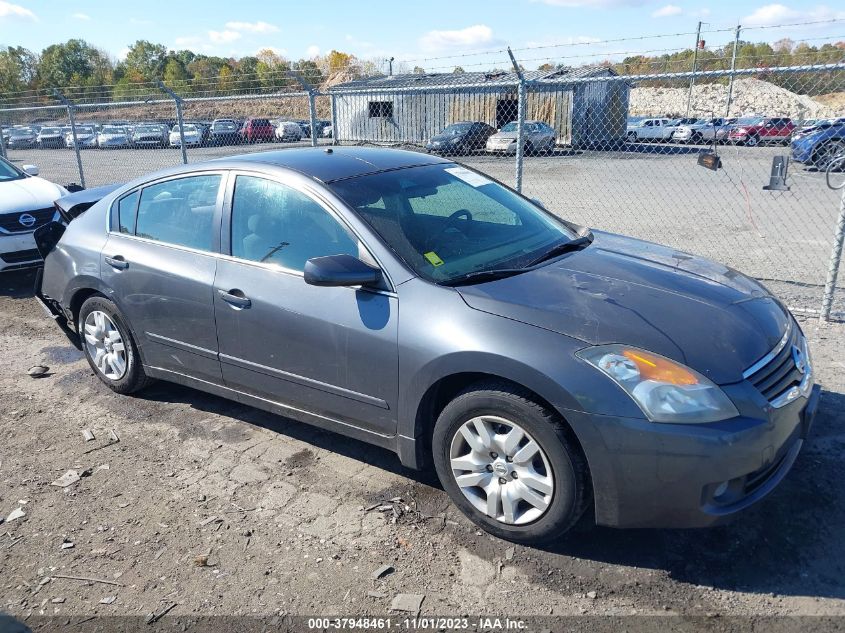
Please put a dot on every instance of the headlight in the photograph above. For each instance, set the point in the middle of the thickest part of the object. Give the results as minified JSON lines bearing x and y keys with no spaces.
{"x":666,"y":391}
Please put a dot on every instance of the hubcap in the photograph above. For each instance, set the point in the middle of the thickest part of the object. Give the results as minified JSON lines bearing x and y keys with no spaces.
{"x":501,"y":470}
{"x":105,"y":345}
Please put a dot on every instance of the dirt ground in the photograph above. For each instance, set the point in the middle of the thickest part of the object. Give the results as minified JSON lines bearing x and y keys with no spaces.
{"x":209,"y":507}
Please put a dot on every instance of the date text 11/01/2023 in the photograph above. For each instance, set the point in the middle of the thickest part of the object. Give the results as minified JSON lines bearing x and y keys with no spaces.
{"x":417,"y":624}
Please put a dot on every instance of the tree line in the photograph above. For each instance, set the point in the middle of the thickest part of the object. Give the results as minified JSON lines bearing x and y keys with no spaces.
{"x":27,"y":77}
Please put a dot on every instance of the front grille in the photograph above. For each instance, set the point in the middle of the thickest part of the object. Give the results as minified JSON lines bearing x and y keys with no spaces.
{"x":16,"y":257}
{"x":10,"y":222}
{"x":780,"y":374}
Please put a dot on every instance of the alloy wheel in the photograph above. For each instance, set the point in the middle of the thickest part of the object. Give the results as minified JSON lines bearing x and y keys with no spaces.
{"x":105,"y":345}
{"x":501,"y":470}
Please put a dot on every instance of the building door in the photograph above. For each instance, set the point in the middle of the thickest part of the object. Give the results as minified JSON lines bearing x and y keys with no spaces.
{"x":507,"y":110}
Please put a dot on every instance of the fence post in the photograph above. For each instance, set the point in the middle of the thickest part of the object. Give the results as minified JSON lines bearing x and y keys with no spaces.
{"x":2,"y":142}
{"x":520,"y":122}
{"x":835,"y":259}
{"x":733,"y":70}
{"x":694,"y":65}
{"x":179,"y":120}
{"x":72,"y":122}
{"x":334,"y":119}
{"x":312,"y":106}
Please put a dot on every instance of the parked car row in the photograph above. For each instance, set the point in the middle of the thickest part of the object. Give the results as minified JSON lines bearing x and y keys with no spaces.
{"x":465,"y":137}
{"x":147,"y":134}
{"x":820,"y":144}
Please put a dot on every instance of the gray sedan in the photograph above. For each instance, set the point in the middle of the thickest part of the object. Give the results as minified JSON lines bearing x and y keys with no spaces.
{"x":412,"y":303}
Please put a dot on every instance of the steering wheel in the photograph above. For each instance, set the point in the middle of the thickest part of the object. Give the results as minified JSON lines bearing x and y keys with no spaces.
{"x":452,"y":222}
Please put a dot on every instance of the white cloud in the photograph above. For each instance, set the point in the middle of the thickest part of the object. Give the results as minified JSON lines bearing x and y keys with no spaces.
{"x":9,"y":10}
{"x":121,"y":55}
{"x":253,"y":27}
{"x":312,"y":51}
{"x":667,"y":11}
{"x":774,"y":14}
{"x":472,"y":37}
{"x":593,"y":4}
{"x":81,"y":16}
{"x":223,"y":37}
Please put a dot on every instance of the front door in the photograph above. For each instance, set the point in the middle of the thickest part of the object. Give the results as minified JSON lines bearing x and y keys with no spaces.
{"x":331,"y":352}
{"x":160,"y":262}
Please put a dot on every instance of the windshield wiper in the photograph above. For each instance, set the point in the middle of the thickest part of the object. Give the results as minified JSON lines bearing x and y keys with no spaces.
{"x":480,"y":276}
{"x":560,"y":249}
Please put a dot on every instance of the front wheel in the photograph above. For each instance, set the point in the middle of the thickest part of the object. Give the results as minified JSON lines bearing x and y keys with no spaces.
{"x":109,"y":347}
{"x":752,"y":141}
{"x":509,"y":464}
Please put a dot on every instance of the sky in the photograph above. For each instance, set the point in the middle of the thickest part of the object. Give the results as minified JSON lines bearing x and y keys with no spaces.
{"x":416,"y":33}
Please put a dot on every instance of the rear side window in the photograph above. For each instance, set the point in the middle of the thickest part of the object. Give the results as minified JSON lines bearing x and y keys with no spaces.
{"x":126,"y":212}
{"x":180,"y":212}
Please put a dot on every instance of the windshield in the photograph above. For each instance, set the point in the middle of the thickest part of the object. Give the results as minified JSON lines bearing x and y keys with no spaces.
{"x":110,"y":129}
{"x":749,"y":120}
{"x":147,"y":128}
{"x":223,"y":125}
{"x":21,"y":132}
{"x":458,"y":128}
{"x":9,"y":172}
{"x":51,"y":130}
{"x":510,"y":127}
{"x":84,"y":130}
{"x":445,"y":221}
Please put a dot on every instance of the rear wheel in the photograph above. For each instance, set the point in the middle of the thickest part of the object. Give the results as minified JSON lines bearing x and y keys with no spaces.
{"x":109,"y":347}
{"x":752,"y":141}
{"x":632,"y":137}
{"x":509,"y":464}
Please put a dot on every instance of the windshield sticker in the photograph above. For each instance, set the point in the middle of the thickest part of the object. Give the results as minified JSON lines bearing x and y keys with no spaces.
{"x":433,"y":259}
{"x":469,"y":177}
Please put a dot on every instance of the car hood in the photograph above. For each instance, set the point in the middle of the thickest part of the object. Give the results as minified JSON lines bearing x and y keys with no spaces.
{"x":622,"y":290}
{"x":27,"y":194}
{"x":499,"y":136}
{"x":445,"y":138}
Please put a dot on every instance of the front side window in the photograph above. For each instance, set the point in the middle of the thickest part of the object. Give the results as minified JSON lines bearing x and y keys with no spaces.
{"x":274,"y":223}
{"x":446,"y":221}
{"x":180,"y":211}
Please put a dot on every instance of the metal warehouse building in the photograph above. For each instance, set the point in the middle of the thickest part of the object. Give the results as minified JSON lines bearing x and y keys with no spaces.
{"x":583,"y":110}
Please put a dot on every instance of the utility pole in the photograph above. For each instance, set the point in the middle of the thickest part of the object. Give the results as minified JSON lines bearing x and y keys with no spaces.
{"x":694,"y":63}
{"x":390,"y":62}
{"x":733,"y":69}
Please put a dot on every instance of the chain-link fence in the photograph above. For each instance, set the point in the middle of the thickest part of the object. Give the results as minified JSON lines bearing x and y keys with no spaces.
{"x":729,"y":164}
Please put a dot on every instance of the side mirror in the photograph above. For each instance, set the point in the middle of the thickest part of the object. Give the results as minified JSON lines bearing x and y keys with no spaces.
{"x":340,"y":270}
{"x":31,"y":170}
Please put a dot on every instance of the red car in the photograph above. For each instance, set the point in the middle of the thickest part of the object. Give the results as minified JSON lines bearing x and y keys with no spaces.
{"x":257,"y":131}
{"x":752,"y":132}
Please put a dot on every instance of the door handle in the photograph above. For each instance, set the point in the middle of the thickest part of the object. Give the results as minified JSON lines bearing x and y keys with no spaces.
{"x":117,"y":262}
{"x":235,"y":298}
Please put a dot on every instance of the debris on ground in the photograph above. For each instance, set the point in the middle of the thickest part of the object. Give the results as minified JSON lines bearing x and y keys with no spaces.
{"x":591,"y":595}
{"x":68,"y":545}
{"x":407,"y":602}
{"x":382,"y":571}
{"x":57,"y":600}
{"x":88,"y":434}
{"x":68,"y":479}
{"x":108,"y":599}
{"x":15,"y":514}
{"x":155,"y":616}
{"x":376,"y":594}
{"x":38,"y":371}
{"x":509,"y":553}
{"x":202,"y":561}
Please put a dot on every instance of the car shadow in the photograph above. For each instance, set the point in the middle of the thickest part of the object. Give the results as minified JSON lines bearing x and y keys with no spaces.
{"x":789,"y":544}
{"x":18,"y":284}
{"x":667,"y":149}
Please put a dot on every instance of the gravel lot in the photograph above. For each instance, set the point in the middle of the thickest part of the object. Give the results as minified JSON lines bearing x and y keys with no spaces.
{"x":651,"y":191}
{"x":218,"y":508}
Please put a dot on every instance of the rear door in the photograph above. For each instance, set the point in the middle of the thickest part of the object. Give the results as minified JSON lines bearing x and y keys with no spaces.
{"x":329,"y":351}
{"x":160,"y":261}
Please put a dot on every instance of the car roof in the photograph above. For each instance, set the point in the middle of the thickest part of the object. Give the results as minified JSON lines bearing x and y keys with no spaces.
{"x":335,"y":163}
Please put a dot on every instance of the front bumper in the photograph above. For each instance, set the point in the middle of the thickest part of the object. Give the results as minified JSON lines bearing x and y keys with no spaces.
{"x":802,"y":152}
{"x":648,"y":474}
{"x":17,"y":250}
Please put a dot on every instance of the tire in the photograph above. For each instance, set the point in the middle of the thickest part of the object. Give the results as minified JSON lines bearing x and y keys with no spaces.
{"x":631,"y":137}
{"x":528,"y":149}
{"x":98,"y":319}
{"x":697,"y":139}
{"x":823,"y":156}
{"x":557,"y":469}
{"x":752,"y":141}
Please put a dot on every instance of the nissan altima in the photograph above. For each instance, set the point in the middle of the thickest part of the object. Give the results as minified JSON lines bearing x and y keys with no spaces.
{"x":540,"y":367}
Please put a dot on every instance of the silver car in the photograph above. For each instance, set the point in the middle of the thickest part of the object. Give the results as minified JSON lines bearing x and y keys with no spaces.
{"x":537,"y":137}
